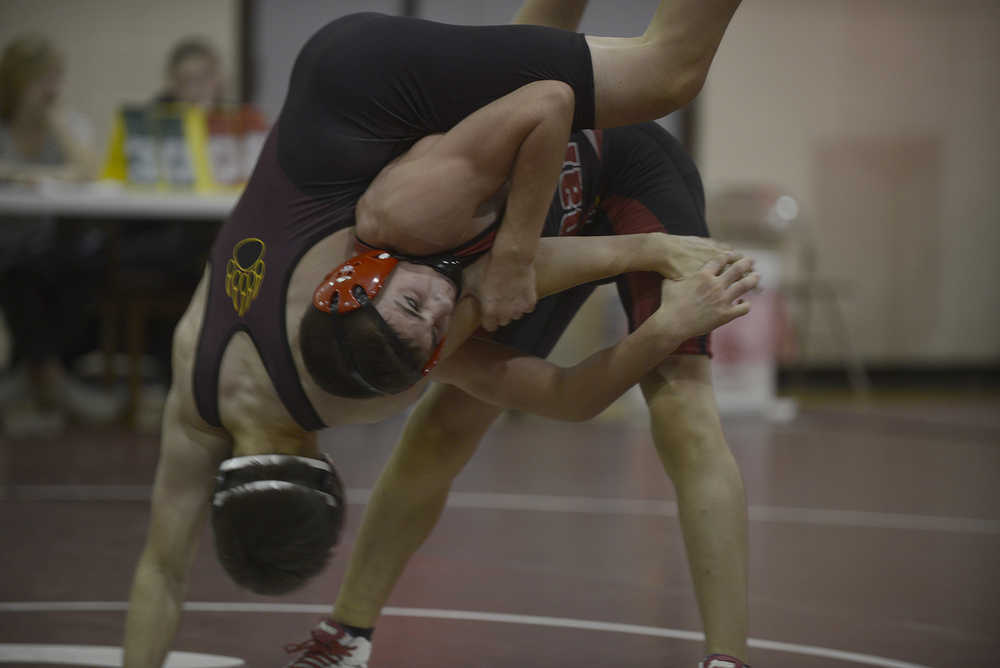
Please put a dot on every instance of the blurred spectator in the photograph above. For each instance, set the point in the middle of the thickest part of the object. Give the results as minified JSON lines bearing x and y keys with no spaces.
{"x":194,"y":74}
{"x":38,"y":137}
{"x":171,"y":255}
{"x":43,"y":268}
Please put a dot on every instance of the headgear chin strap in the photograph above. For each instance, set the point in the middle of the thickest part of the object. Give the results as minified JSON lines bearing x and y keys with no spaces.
{"x":353,"y":286}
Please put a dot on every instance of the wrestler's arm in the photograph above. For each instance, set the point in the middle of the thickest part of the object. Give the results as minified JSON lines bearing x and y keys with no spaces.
{"x":520,"y":137}
{"x":182,"y":492}
{"x":695,"y":305}
{"x":508,"y":378}
{"x":564,"y":262}
{"x":508,"y":284}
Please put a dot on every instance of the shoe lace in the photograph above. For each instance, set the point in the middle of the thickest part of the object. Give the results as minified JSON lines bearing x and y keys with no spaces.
{"x":321,"y":644}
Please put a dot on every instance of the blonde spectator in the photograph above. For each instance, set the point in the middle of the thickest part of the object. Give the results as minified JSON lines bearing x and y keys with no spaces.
{"x":39,"y":138}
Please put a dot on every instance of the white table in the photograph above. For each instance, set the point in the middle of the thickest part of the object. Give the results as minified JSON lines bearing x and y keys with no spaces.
{"x":111,"y":202}
{"x":115,"y":206}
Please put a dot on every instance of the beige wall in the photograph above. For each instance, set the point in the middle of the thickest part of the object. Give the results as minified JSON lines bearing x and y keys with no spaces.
{"x":116,"y":49}
{"x":881,"y":117}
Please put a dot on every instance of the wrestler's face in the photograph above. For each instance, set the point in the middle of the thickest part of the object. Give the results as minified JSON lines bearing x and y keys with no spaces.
{"x":417,"y":302}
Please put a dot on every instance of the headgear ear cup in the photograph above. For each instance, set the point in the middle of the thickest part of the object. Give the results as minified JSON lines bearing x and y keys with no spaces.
{"x":305,"y":471}
{"x":297,"y":485}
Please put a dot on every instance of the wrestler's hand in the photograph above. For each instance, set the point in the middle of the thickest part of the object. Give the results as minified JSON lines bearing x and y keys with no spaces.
{"x":507,"y":291}
{"x":679,"y":256}
{"x":707,"y":299}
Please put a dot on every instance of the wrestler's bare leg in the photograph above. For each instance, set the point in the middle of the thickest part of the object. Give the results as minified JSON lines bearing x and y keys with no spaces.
{"x":444,"y":431}
{"x":642,"y":78}
{"x":562,"y":14}
{"x":440,"y":436}
{"x":710,"y":497}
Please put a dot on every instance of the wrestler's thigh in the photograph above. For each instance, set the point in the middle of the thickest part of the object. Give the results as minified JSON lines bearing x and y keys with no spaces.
{"x":453,"y":413}
{"x":633,"y":81}
{"x":405,"y":77}
{"x":366,"y":86}
{"x":651,"y":185}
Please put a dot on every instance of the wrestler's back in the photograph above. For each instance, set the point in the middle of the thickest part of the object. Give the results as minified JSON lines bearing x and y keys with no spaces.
{"x":249,"y":406}
{"x":247,"y":403}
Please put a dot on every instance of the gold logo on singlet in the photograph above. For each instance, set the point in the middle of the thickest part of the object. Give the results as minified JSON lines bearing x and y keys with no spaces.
{"x":245,"y":273}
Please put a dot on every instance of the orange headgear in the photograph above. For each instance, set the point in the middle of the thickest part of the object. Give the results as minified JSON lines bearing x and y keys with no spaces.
{"x":354,"y":285}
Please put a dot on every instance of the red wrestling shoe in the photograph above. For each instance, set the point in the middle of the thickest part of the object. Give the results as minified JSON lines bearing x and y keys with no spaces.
{"x":722,"y":661}
{"x":331,"y":645}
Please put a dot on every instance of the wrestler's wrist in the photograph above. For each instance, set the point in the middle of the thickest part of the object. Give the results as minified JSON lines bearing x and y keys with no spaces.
{"x":654,"y":250}
{"x":513,"y":254}
{"x":659,"y":336}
